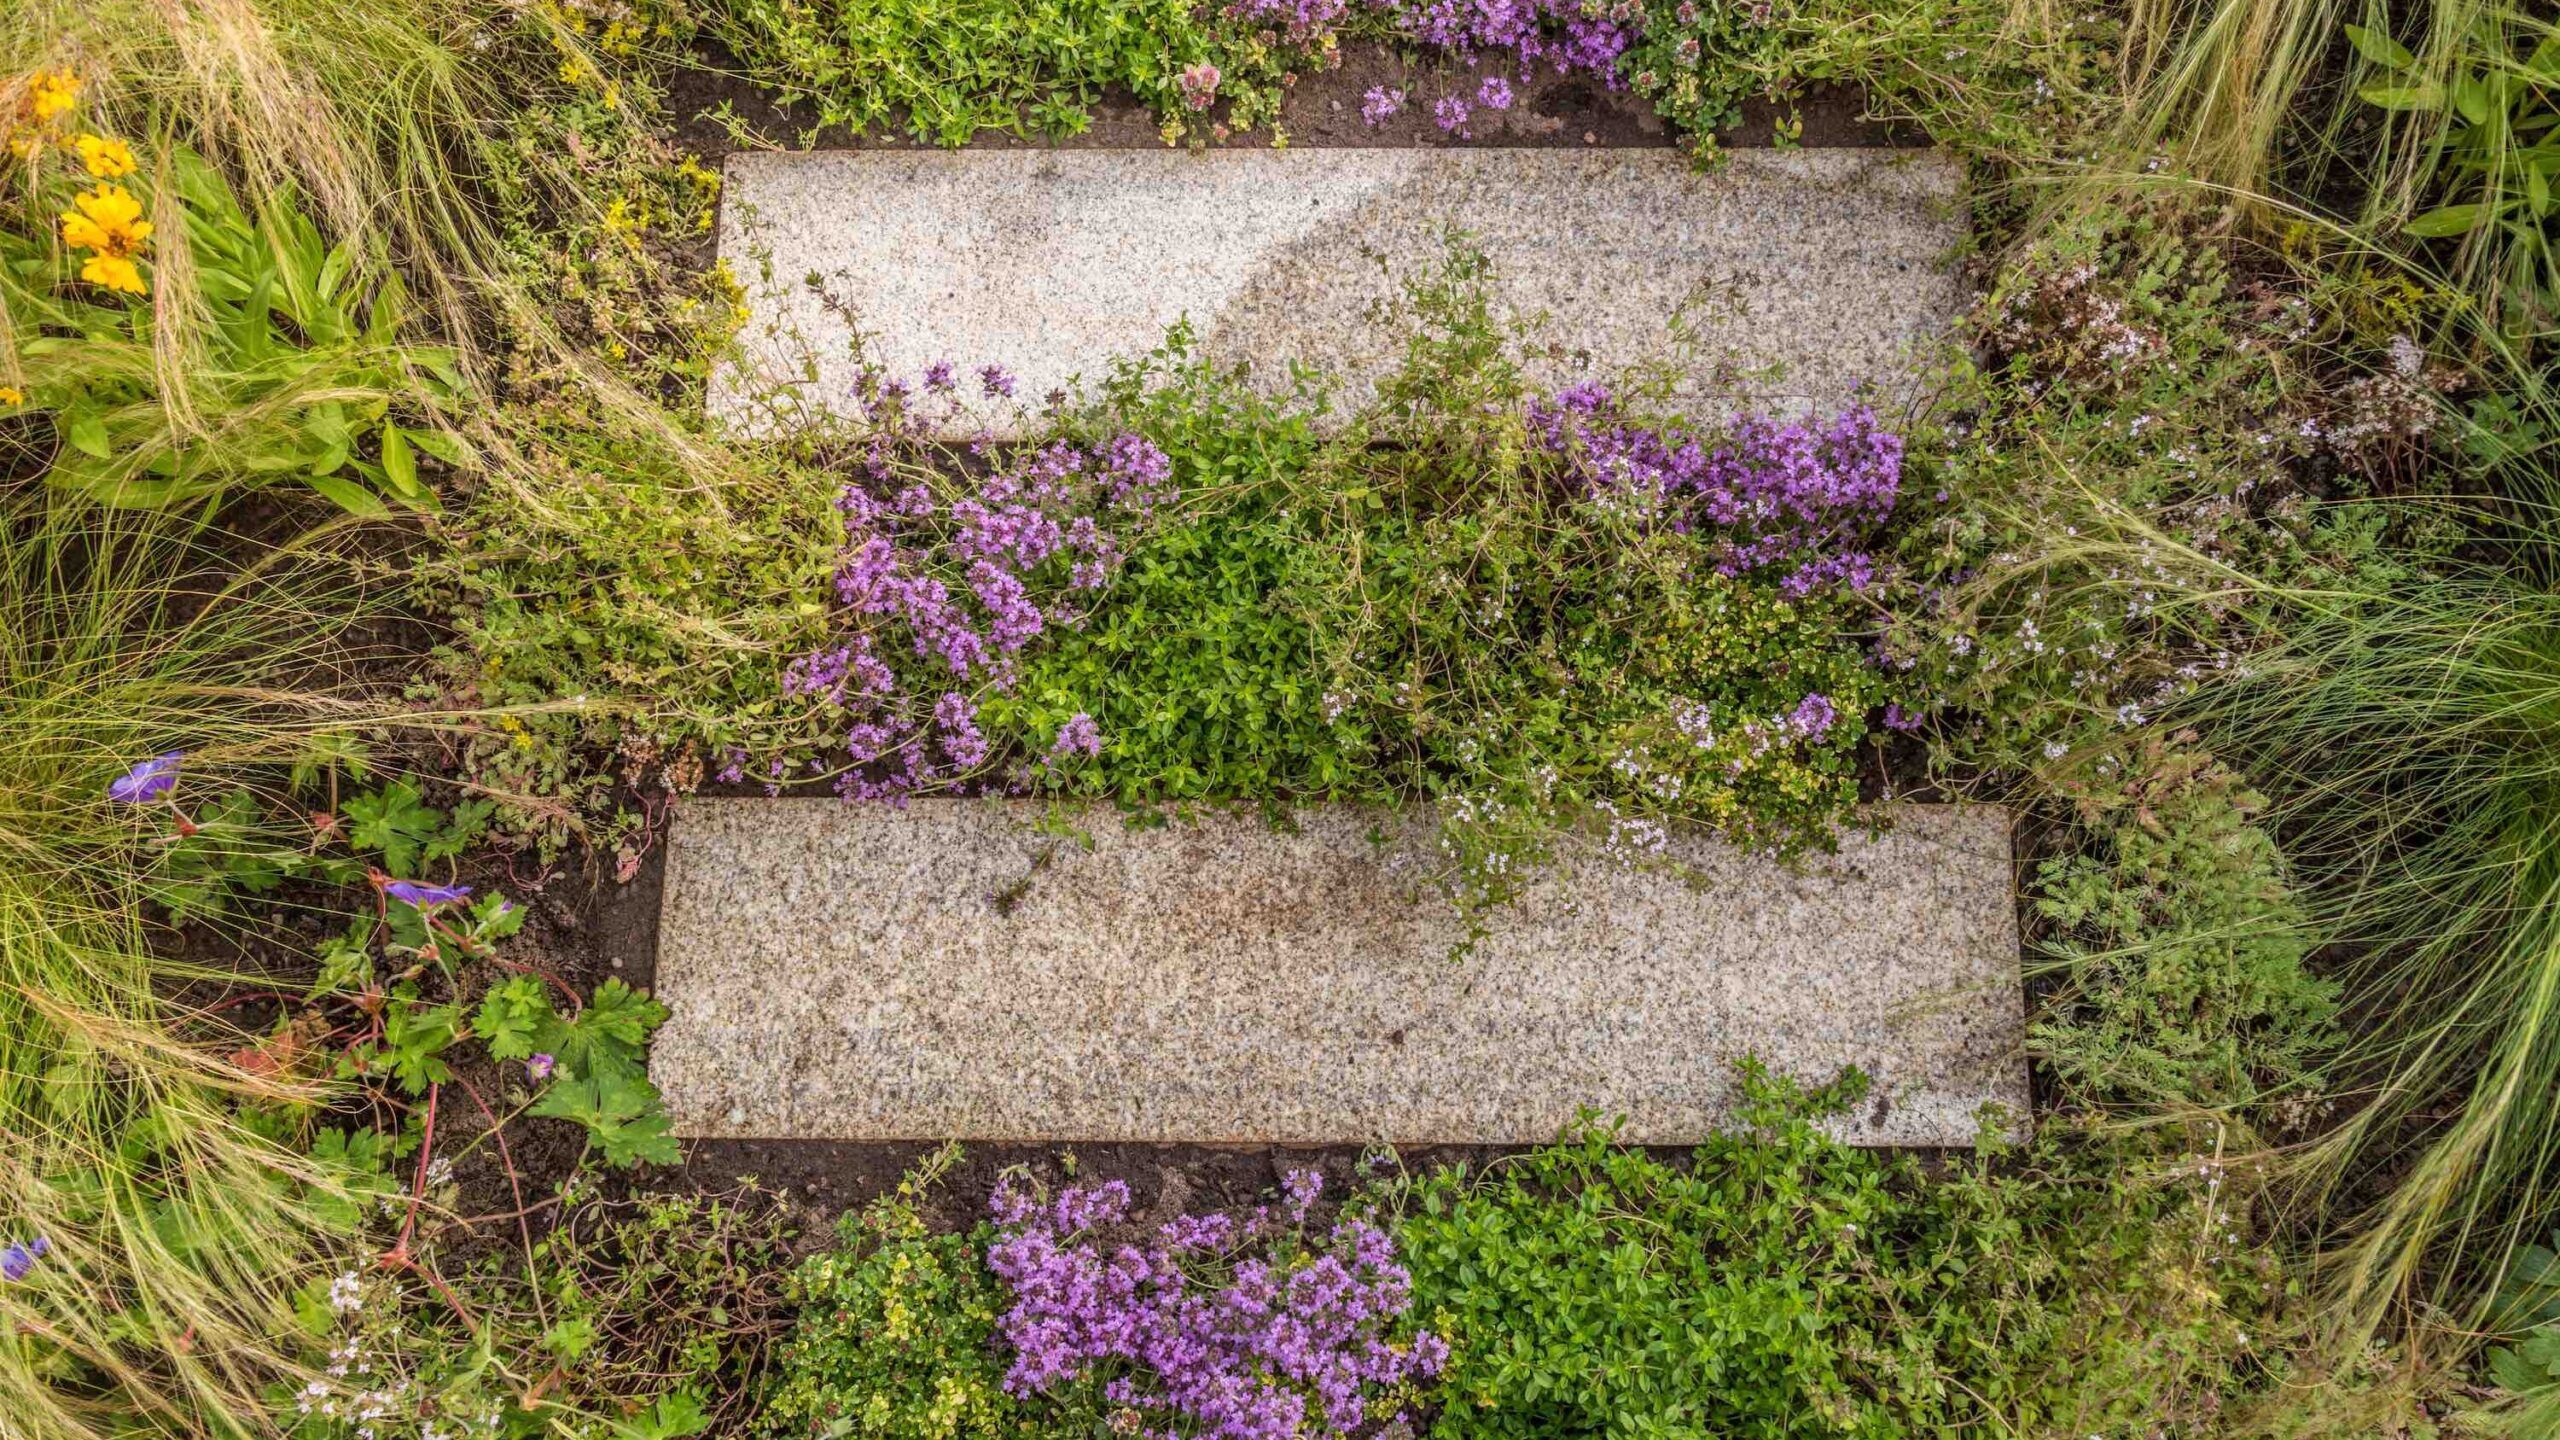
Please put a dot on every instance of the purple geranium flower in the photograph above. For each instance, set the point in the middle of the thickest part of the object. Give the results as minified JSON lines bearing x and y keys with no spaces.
{"x":147,"y":781}
{"x":539,"y":1067}
{"x":18,"y":1260}
{"x":424,"y":896}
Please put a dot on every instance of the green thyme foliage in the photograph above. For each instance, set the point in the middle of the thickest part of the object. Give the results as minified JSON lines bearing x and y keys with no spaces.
{"x":1781,"y":1284}
{"x":1429,"y":605}
{"x":2179,"y":941}
{"x":897,"y":1336}
{"x":944,"y":72}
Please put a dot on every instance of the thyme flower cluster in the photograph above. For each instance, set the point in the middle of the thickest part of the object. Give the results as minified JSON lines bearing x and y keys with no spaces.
{"x":962,"y":584}
{"x":1796,"y":496}
{"x":1217,"y":1326}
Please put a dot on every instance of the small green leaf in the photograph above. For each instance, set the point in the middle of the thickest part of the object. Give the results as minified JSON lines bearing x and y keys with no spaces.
{"x":2472,"y":99}
{"x":349,"y":496}
{"x":2447,"y":220}
{"x":2403,"y":97}
{"x":2379,"y":48}
{"x":399,"y":462}
{"x":88,"y":435}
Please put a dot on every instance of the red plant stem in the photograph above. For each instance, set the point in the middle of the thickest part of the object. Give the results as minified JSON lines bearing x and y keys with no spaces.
{"x":418,"y":1187}
{"x":405,"y":1261}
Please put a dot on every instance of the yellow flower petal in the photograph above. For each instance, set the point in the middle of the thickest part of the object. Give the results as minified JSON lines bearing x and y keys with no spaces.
{"x":82,"y":233}
{"x":106,"y":158}
{"x":49,"y":95}
{"x":115,"y":272}
{"x":107,"y":220}
{"x":12,"y":396}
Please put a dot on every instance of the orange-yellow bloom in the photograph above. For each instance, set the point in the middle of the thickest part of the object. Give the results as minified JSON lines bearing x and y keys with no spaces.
{"x":50,"y":94}
{"x":106,"y":158}
{"x":12,"y":397}
{"x":116,"y":273}
{"x":108,"y":220}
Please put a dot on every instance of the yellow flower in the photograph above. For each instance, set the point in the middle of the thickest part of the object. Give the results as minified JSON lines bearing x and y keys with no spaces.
{"x":49,"y":95}
{"x":105,"y":158}
{"x":12,"y":396}
{"x":107,"y":220}
{"x":116,"y":273}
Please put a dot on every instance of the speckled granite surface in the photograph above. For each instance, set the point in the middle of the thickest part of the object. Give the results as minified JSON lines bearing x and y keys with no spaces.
{"x":1828,"y":264}
{"x":860,"y":973}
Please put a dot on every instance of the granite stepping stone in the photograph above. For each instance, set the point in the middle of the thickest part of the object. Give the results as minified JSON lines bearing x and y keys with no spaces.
{"x":958,"y":969}
{"x":1799,"y":274}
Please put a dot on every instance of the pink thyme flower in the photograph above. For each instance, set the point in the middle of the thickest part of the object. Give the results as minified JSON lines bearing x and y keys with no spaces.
{"x":1199,"y":85}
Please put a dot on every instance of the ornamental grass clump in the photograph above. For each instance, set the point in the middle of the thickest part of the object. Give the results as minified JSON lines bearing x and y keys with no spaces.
{"x":1223,"y":1327}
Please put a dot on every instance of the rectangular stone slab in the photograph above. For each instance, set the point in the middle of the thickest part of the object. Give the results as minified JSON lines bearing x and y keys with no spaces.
{"x":855,"y":972}
{"x":1831,"y":265}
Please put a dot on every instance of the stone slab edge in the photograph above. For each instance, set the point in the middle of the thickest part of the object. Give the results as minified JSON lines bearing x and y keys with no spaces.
{"x":1292,"y":1020}
{"x":1802,"y":273}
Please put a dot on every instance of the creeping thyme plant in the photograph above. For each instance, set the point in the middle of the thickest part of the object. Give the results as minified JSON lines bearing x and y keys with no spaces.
{"x":1530,"y":609}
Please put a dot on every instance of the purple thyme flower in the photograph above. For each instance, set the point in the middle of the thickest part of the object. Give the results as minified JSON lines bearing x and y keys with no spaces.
{"x":147,"y":781}
{"x":1813,"y":716}
{"x":1217,"y":1330}
{"x":18,"y":1260}
{"x":540,"y":1066}
{"x":1079,"y":736}
{"x":996,"y":381}
{"x":937,"y":376}
{"x":1797,"y":494}
{"x":1301,"y":1187}
{"x":1569,"y":35}
{"x":1450,"y":114}
{"x":957,"y":719}
{"x":1380,"y":103}
{"x":1304,"y":20}
{"x":1495,"y":93}
{"x":1897,"y":718}
{"x":426,"y":896}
